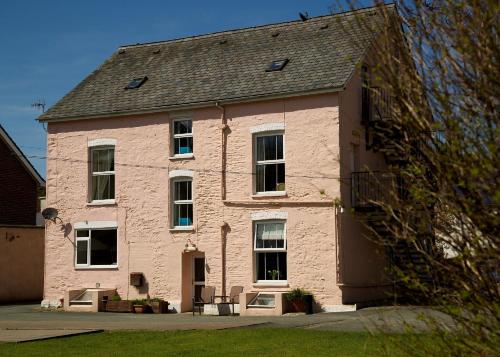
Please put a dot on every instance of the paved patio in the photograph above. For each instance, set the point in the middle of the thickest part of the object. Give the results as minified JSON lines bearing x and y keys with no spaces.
{"x":16,"y":321}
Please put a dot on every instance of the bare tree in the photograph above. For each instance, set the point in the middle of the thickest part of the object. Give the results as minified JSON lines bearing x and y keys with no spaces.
{"x":432,"y":99}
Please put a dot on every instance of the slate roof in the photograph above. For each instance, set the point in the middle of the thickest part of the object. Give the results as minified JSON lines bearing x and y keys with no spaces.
{"x":227,"y":66}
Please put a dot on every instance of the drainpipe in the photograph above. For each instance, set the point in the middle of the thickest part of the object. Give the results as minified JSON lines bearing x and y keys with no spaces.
{"x":223,"y":229}
{"x":223,"y":128}
{"x":224,"y":226}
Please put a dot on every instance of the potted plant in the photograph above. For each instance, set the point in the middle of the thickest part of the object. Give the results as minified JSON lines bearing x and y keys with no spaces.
{"x":274,"y":274}
{"x":116,"y":304}
{"x":158,"y":305}
{"x":140,"y":306}
{"x":296,"y":299}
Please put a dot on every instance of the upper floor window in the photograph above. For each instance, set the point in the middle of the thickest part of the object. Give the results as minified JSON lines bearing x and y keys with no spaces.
{"x":270,"y":163}
{"x":103,"y":173}
{"x":183,"y":137}
{"x":182,"y":202}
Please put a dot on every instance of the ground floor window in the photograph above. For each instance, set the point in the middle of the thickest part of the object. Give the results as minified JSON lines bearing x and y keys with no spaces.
{"x":270,"y":251}
{"x":96,"y":248}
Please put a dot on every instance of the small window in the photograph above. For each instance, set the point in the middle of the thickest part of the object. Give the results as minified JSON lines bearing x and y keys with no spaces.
{"x":96,"y":248}
{"x":102,"y":161}
{"x":183,"y":137}
{"x":277,"y":65}
{"x":270,"y":251}
{"x":270,"y":163}
{"x":136,"y":83}
{"x":182,"y":203}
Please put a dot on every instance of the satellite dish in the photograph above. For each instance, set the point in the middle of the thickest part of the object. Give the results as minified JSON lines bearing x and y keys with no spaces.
{"x":50,"y":213}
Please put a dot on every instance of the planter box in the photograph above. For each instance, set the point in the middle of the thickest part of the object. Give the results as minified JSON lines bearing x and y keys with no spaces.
{"x":119,"y":306}
{"x":159,"y":307}
{"x":297,"y":306}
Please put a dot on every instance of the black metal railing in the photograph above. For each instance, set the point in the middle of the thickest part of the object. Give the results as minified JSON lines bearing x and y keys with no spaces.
{"x":376,"y":104}
{"x":371,"y":189}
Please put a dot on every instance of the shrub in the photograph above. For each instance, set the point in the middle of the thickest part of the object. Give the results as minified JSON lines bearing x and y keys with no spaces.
{"x":296,"y":294}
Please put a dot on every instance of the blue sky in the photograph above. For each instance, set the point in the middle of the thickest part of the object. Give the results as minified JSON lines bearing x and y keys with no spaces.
{"x":47,"y":47}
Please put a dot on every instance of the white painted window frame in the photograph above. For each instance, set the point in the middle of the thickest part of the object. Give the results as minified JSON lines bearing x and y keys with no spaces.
{"x":180,"y":136}
{"x":88,"y":239}
{"x":174,"y":203}
{"x":264,"y":250}
{"x":100,"y":173}
{"x":261,"y":134}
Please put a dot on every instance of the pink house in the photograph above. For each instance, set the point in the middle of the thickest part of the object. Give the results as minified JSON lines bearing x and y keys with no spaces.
{"x":217,"y":160}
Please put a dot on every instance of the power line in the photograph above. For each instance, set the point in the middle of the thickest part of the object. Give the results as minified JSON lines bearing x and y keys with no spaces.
{"x":159,"y":167}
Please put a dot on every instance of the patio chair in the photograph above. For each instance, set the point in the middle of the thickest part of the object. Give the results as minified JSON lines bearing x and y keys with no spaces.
{"x":233,"y":297}
{"x":207,"y":296}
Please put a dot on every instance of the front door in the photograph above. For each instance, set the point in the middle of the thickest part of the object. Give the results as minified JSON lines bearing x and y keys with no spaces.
{"x":198,"y":276}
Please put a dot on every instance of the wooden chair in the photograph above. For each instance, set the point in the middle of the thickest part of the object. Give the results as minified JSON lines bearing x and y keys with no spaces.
{"x":233,"y":297}
{"x":207,"y":296}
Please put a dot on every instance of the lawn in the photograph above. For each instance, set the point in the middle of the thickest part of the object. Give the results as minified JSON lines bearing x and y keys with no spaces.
{"x":246,"y":342}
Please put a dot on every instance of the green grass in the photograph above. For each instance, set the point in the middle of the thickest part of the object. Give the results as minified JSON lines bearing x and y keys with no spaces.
{"x":244,"y":342}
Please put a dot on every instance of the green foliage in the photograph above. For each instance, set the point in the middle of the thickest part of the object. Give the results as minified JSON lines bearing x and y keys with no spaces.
{"x":156,"y":299}
{"x":296,"y":294}
{"x":116,"y":297}
{"x":139,"y":302}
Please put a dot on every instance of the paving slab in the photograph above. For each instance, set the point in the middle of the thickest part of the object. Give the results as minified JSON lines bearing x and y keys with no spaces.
{"x":36,"y":335}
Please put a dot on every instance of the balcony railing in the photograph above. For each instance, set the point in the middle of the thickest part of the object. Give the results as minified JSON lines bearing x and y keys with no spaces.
{"x":369,"y":189}
{"x":376,"y":104}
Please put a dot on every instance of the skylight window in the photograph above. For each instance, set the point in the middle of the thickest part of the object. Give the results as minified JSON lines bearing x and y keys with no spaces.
{"x":277,"y":65}
{"x":136,"y":83}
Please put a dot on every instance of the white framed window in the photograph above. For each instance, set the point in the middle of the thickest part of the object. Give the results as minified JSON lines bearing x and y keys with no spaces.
{"x":183,"y":137}
{"x":96,"y":248}
{"x":102,"y":168}
{"x":182,"y":202}
{"x":270,"y":251}
{"x":269,"y":163}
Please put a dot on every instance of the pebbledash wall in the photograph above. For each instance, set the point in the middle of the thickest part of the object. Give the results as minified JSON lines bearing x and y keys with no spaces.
{"x":142,"y":211}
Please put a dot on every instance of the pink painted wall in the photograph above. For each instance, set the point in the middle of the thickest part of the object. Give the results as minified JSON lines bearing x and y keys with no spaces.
{"x":362,"y":263}
{"x":312,"y":154}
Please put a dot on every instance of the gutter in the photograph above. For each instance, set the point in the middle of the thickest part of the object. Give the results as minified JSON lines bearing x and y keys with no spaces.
{"x":195,"y":105}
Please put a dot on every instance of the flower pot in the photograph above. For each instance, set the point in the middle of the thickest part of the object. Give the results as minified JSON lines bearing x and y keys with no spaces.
{"x":159,"y":307}
{"x":139,"y":309}
{"x":297,"y":305}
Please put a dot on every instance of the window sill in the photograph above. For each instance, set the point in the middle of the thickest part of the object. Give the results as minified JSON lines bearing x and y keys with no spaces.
{"x":270,"y":194}
{"x":182,"y":157}
{"x":271,"y":284}
{"x":100,"y":267}
{"x":182,"y":229}
{"x":102,"y":203}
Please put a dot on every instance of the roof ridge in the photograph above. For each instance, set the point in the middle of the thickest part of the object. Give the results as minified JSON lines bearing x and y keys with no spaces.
{"x":253,"y":28}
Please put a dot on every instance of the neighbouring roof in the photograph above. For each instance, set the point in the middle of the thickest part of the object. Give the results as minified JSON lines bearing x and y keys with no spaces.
{"x":20,"y":156}
{"x":227,"y":66}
